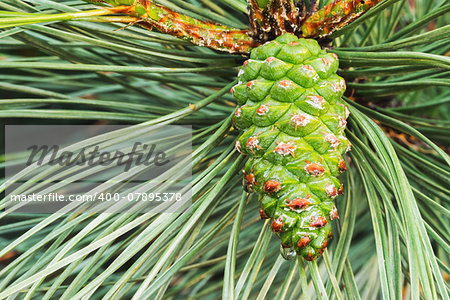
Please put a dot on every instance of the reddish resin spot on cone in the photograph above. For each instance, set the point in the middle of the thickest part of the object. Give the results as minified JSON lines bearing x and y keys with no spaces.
{"x":308,"y":68}
{"x":284,"y":83}
{"x":325,"y":61}
{"x":262,"y":110}
{"x":342,"y":122}
{"x":270,"y":59}
{"x":277,"y":225}
{"x":331,"y":191}
{"x":298,"y":203}
{"x":316,"y":98}
{"x":250,"y":84}
{"x":293,"y":43}
{"x":347,"y":111}
{"x":314,"y":169}
{"x":304,"y":241}
{"x":245,"y":62}
{"x":342,"y":166}
{"x":349,"y":148}
{"x":334,"y":214}
{"x":334,"y":55}
{"x":336,"y":87}
{"x":341,"y":189}
{"x":272,"y":186}
{"x":285,"y":148}
{"x":300,"y":120}
{"x":343,"y":84}
{"x":253,"y":143}
{"x":318,"y":222}
{"x":316,"y":101}
{"x":322,"y":249}
{"x":263,"y":214}
{"x":250,"y":180}
{"x":310,"y":256}
{"x":333,"y":140}
{"x":237,"y":146}
{"x":238,"y":112}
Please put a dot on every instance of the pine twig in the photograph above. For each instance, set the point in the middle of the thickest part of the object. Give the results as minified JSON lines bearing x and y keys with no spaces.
{"x":334,"y":16}
{"x":269,"y":19}
{"x":196,"y":31}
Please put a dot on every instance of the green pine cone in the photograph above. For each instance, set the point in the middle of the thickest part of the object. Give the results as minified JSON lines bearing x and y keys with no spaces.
{"x":293,"y":120}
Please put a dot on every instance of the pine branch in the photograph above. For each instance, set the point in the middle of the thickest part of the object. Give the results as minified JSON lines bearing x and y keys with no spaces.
{"x":334,"y":16}
{"x":268,"y":19}
{"x":196,"y":31}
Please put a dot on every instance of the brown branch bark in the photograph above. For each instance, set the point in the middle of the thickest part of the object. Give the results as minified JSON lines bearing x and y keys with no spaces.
{"x":196,"y":31}
{"x":334,"y":16}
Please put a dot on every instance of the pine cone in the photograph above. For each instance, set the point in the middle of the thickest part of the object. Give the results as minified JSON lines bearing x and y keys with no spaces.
{"x":293,"y":121}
